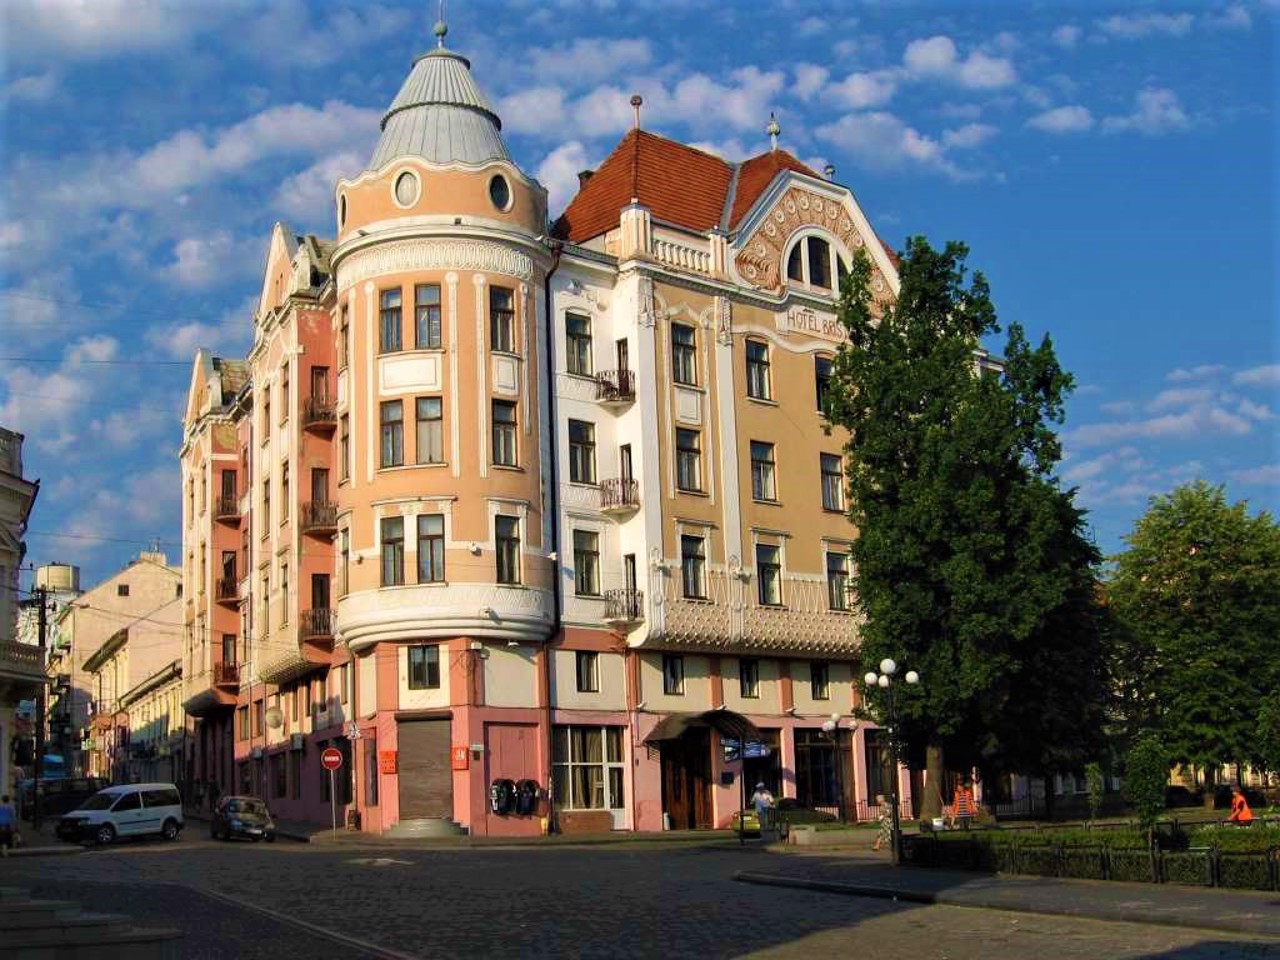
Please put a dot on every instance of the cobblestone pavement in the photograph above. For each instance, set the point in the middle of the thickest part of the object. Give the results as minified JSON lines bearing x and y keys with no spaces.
{"x":600,"y":902}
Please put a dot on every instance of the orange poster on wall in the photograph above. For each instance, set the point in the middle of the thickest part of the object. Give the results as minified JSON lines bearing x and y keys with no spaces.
{"x":461,"y":758}
{"x":387,"y":761}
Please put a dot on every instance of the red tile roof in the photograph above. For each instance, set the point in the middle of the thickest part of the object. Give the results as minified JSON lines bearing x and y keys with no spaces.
{"x":679,"y":184}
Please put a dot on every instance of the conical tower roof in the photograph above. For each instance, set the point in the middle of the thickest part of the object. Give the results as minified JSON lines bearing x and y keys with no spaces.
{"x":440,"y":115}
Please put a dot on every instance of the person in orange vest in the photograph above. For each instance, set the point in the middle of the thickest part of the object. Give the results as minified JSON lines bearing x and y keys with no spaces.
{"x":1241,"y":815}
{"x":962,"y":804}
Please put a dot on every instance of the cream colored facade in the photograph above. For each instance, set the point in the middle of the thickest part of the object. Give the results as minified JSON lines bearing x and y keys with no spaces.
{"x":21,"y":670}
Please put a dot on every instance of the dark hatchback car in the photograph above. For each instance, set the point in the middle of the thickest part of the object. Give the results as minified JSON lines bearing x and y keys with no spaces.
{"x":242,"y":817}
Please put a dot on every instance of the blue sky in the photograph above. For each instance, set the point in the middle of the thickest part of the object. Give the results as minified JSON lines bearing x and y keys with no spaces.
{"x":1112,"y":167}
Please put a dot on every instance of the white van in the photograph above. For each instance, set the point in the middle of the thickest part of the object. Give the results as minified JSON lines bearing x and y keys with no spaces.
{"x":130,"y":810}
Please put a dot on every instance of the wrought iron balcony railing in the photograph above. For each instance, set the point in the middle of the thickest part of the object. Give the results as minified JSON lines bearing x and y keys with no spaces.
{"x":227,"y":590}
{"x":226,"y":674}
{"x":616,"y":386}
{"x":320,"y":623}
{"x":619,"y":495}
{"x":624,"y":606}
{"x":319,"y":516}
{"x":320,"y":413}
{"x":227,"y":508}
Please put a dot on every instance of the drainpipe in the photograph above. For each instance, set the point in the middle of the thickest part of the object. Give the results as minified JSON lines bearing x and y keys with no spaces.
{"x":554,"y":504}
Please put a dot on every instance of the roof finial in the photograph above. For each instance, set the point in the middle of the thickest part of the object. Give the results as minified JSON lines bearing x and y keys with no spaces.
{"x":441,"y":28}
{"x":636,"y":102}
{"x":829,"y":171}
{"x":773,"y":130}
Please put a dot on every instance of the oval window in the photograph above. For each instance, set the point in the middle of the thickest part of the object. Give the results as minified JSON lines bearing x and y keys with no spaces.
{"x":500,"y":192}
{"x":406,"y":189}
{"x":342,"y":211}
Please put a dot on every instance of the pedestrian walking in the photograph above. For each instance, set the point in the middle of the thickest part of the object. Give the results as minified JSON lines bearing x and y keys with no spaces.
{"x":8,"y":826}
{"x":962,"y":804}
{"x":762,"y":800}
{"x":1241,"y":815}
{"x":885,"y":834}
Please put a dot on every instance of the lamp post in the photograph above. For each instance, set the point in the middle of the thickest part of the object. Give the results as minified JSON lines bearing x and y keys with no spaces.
{"x":884,"y":680}
{"x":831,"y":728}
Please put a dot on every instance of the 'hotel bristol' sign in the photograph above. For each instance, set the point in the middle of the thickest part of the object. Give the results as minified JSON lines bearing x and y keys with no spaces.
{"x":814,"y":323}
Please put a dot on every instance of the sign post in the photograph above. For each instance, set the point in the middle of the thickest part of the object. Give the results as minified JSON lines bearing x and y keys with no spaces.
{"x":331,"y":760}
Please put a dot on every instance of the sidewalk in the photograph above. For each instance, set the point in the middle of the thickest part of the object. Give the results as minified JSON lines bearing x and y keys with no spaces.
{"x":1234,"y":911}
{"x":42,"y":842}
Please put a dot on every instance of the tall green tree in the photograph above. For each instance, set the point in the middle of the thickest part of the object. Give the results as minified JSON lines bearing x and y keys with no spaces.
{"x":1198,"y":595}
{"x":971,"y":564}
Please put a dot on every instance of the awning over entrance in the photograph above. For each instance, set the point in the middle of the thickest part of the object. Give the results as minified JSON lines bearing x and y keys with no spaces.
{"x":730,"y":726}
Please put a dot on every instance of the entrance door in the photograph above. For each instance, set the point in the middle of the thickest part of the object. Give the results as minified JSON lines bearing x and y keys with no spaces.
{"x":320,"y":591}
{"x":426,"y":780}
{"x":686,"y":779}
{"x":625,"y":467}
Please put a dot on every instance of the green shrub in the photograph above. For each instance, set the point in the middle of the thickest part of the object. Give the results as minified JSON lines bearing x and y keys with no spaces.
{"x":1255,"y":839}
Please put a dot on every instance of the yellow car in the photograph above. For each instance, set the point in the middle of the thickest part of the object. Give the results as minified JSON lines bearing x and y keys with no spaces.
{"x":748,"y":821}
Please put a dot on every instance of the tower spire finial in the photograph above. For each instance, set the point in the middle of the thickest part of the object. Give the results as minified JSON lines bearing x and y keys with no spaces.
{"x":441,"y":28}
{"x":636,"y":102}
{"x":773,"y":129}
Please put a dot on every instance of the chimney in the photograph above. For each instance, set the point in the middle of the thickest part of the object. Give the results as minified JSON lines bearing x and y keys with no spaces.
{"x":584,"y":176}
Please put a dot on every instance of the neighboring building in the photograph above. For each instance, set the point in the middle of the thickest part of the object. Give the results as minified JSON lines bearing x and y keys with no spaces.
{"x":527,"y":508}
{"x":141,"y":602}
{"x":21,"y":672}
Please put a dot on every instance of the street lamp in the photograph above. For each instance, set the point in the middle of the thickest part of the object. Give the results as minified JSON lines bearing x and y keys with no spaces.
{"x":831,"y":729}
{"x":884,"y":680}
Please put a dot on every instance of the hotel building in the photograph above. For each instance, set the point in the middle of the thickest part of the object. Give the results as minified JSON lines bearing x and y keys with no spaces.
{"x":537,"y":525}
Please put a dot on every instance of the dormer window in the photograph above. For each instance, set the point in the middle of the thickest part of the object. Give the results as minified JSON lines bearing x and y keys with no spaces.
{"x":813,"y":261}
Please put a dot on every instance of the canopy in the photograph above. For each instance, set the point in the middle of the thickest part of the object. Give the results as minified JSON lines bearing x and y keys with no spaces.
{"x":730,"y":726}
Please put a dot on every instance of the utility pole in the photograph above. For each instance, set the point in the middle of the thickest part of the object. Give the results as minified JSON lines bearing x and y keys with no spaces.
{"x":42,"y":598}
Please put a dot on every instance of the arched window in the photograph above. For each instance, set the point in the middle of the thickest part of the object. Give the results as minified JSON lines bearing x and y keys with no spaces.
{"x":795,"y":263}
{"x":819,"y":262}
{"x":815,"y":262}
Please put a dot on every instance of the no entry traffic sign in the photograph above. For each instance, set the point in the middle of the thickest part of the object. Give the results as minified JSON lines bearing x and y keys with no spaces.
{"x":331,"y":758}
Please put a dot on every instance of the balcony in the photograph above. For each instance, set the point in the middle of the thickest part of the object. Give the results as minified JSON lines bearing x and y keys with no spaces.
{"x":226,"y":674}
{"x":623,"y":606}
{"x":227,"y":509}
{"x":21,"y":669}
{"x":319,"y":414}
{"x":227,"y":590}
{"x":318,"y":624}
{"x":319,"y":517}
{"x":615,"y":387}
{"x":619,"y":496}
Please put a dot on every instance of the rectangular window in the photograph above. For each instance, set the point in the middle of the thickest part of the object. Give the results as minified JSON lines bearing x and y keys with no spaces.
{"x":577,"y":329}
{"x":228,"y":484}
{"x":266,"y":505}
{"x":431,"y":548}
{"x":344,"y":339}
{"x":430,"y":439}
{"x":392,"y":551}
{"x":769,"y":575}
{"x":426,"y":298}
{"x":688,"y":460}
{"x":284,"y":594}
{"x":582,"y":451}
{"x":391,"y":453}
{"x":389,"y":321}
{"x":832,"y":483}
{"x":284,"y":492}
{"x":242,"y":723}
{"x":693,"y":561}
{"x":266,"y":414}
{"x":588,"y":670}
{"x":749,"y":678}
{"x":504,"y":433}
{"x":371,"y":771}
{"x":672,"y":674}
{"x":320,"y":384}
{"x":819,"y":680}
{"x":344,"y":446}
{"x":344,"y":547}
{"x":502,"y":319}
{"x":258,"y":711}
{"x":822,"y":380}
{"x":507,"y":538}
{"x":759,"y":384}
{"x":763,"y":486}
{"x":229,"y":649}
{"x":587,"y":768}
{"x":838,"y":581}
{"x":284,"y":393}
{"x":586,"y":563}
{"x":424,"y":668}
{"x":684,"y":363}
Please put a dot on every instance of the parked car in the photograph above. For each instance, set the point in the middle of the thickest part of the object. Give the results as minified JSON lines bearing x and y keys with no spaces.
{"x":132,"y":810}
{"x":58,"y":795}
{"x":242,"y":817}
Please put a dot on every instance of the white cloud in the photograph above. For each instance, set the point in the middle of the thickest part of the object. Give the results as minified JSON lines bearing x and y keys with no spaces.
{"x":1182,"y":397}
{"x":1069,"y":119}
{"x":1067,"y":36}
{"x":52,"y":407}
{"x":316,"y":40}
{"x":1119,"y":408}
{"x":1156,"y":111}
{"x":811,"y":27}
{"x":1235,"y":17}
{"x":75,"y":29}
{"x":1202,"y":372}
{"x":1133,"y":26}
{"x":937,"y":58}
{"x":537,"y":110}
{"x":1267,"y":476}
{"x":203,"y":261}
{"x":307,"y":196}
{"x":733,"y":149}
{"x":589,"y":59}
{"x":861,"y":90}
{"x":1254,"y":411}
{"x":969,"y":136}
{"x":882,"y":141}
{"x":230,"y":335}
{"x":558,"y":172}
{"x":33,"y":88}
{"x":810,"y":78}
{"x":1265,"y":376}
{"x":1207,"y":418}
{"x":1126,"y":459}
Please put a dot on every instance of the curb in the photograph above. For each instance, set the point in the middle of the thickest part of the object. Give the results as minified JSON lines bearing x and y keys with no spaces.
{"x":1228,"y":924}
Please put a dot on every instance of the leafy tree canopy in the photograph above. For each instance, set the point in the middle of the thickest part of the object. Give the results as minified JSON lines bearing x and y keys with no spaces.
{"x":1198,"y":596}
